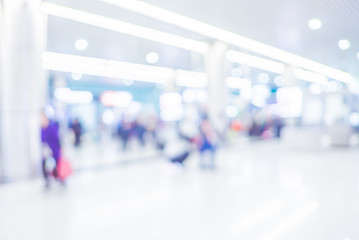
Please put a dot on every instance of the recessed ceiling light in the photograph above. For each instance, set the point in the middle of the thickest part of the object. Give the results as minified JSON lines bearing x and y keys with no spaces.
{"x":344,"y":44}
{"x":81,"y":44}
{"x":358,"y":55}
{"x":279,"y":81}
{"x":263,"y":78}
{"x":76,"y":76}
{"x":315,"y":89}
{"x":236,"y":72}
{"x":152,"y":57}
{"x":314,"y":24}
{"x":161,"y":85}
{"x":333,"y":86}
{"x":128,"y":82}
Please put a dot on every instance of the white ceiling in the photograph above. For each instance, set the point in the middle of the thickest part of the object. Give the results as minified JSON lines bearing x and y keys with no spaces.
{"x":280,"y":23}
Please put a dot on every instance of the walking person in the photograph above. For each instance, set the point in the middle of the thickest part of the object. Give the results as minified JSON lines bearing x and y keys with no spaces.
{"x":51,"y":146}
{"x":207,"y":145}
{"x":77,"y":129}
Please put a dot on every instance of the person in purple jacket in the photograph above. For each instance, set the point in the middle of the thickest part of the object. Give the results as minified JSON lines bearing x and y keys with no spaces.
{"x":51,"y":145}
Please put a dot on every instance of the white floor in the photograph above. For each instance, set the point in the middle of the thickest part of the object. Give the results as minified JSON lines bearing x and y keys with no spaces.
{"x":258,"y":191}
{"x":105,"y":152}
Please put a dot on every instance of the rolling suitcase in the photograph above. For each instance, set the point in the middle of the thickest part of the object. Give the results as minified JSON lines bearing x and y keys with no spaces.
{"x":180,"y":158}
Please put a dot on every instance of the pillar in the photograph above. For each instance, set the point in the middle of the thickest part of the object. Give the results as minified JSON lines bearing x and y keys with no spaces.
{"x":217,"y":68}
{"x":22,"y":88}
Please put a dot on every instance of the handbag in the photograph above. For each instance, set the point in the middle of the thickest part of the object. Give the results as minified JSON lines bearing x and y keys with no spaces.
{"x":64,"y":168}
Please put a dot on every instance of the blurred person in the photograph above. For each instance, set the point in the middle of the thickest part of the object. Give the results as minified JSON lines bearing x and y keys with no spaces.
{"x":77,"y":130}
{"x":51,"y":148}
{"x":222,"y":128}
{"x":124,"y":130}
{"x":278,"y":124}
{"x":267,"y":128}
{"x":160,"y":135}
{"x":207,"y":144}
{"x":151,"y":126}
{"x":255,"y":130}
{"x":100,"y":130}
{"x":140,"y":131}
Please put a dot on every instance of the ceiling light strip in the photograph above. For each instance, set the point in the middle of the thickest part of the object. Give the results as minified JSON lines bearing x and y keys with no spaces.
{"x":256,"y":62}
{"x":310,"y":76}
{"x":123,"y":70}
{"x":124,"y":27}
{"x":229,"y":37}
{"x":105,"y":68}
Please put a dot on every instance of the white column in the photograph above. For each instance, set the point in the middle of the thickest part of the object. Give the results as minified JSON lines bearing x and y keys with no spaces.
{"x":22,"y":87}
{"x":216,"y":67}
{"x":2,"y":166}
{"x":292,"y":81}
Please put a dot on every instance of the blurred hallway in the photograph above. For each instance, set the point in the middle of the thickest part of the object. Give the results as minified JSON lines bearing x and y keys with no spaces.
{"x":121,"y":101}
{"x":258,"y":191}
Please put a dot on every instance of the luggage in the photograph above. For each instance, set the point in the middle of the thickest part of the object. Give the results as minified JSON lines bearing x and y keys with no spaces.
{"x":177,"y":149}
{"x":180,"y":158}
{"x":160,"y":145}
{"x":64,"y":168}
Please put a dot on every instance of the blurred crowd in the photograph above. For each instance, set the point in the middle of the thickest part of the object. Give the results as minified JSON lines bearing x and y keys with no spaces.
{"x":176,"y":140}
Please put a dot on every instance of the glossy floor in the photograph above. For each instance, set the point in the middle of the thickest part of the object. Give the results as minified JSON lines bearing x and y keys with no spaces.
{"x":258,"y":191}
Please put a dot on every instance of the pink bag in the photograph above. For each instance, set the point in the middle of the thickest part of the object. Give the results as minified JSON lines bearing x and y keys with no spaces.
{"x":64,"y":168}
